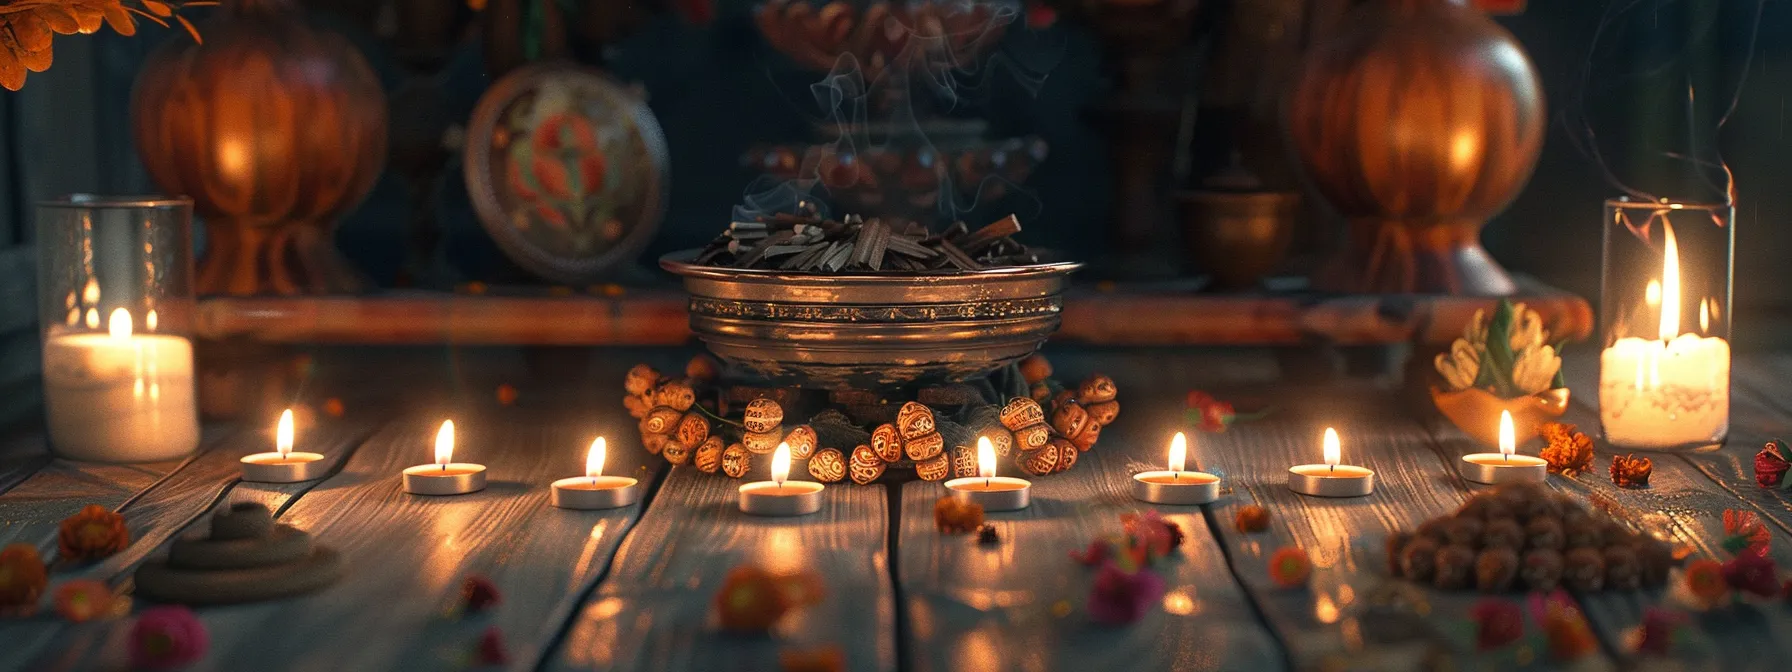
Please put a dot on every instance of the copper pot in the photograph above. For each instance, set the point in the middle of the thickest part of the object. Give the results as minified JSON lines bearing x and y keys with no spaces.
{"x":1477,"y":412}
{"x":1238,"y":236}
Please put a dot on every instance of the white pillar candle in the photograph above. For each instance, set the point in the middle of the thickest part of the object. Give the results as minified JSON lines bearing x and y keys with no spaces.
{"x":1668,"y":392}
{"x":120,"y":396}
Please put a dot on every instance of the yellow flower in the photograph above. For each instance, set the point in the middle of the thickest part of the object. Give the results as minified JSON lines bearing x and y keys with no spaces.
{"x":1461,"y":365}
{"x":1534,"y":369}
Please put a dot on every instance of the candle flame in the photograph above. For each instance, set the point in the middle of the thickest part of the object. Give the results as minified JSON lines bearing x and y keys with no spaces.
{"x":1508,"y":436}
{"x":119,"y":324}
{"x":1705,"y":316}
{"x":283,"y":434}
{"x":1178,"y":451}
{"x":445,"y":443}
{"x":1333,"y":453}
{"x":594,"y":459}
{"x":986,"y":458}
{"x":1670,"y":284}
{"x":781,"y":464}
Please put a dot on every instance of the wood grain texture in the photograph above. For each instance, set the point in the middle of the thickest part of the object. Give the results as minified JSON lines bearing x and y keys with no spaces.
{"x":653,"y":610}
{"x":174,"y":505}
{"x":1328,"y":623}
{"x":976,"y":607}
{"x":20,"y":457}
{"x":406,"y":555}
{"x":1684,"y":503}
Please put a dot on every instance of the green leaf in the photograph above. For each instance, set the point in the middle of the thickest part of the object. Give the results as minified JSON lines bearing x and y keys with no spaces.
{"x":1499,"y":358}
{"x":1561,"y":379}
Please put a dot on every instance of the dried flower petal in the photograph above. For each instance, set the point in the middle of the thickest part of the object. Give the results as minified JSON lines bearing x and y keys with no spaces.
{"x":1744,"y":533}
{"x":478,"y":594}
{"x":1630,"y":471}
{"x":22,"y":577}
{"x":1497,"y":623}
{"x":1752,"y":574}
{"x":1289,"y":567}
{"x":1771,"y":464}
{"x":83,"y":600}
{"x":1705,"y":581}
{"x":1569,"y":452}
{"x":955,"y":516}
{"x":167,"y":638}
{"x":92,"y":534}
{"x":1119,"y":597}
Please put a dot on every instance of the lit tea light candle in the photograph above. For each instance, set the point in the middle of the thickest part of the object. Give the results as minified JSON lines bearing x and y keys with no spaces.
{"x":780,"y":497}
{"x":1504,"y":466}
{"x":1176,"y":486}
{"x":1331,"y":479}
{"x":986,"y":489}
{"x":595,"y":490}
{"x":445,"y":477}
{"x":283,"y":465}
{"x":1669,"y":392}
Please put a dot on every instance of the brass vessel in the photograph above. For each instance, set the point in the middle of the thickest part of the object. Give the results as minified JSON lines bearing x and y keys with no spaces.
{"x":842,"y":331}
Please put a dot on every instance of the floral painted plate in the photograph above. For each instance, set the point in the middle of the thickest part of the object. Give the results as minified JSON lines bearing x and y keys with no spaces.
{"x":567,"y":170}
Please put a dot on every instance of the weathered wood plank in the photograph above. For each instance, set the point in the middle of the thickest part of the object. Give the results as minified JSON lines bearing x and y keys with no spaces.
{"x":406,"y":555}
{"x":174,"y":504}
{"x":653,"y":611}
{"x":975,"y":607}
{"x":1324,"y":624}
{"x":21,"y":457}
{"x":1684,"y":504}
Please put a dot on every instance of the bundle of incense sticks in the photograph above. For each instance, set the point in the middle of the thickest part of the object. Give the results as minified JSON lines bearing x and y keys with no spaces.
{"x":813,"y":244}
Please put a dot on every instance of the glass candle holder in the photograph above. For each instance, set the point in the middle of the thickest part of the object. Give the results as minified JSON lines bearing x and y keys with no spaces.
{"x":115,"y":300}
{"x":1664,"y":372}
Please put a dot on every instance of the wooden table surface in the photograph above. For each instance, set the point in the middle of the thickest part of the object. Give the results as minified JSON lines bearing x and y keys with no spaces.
{"x":630,"y":588}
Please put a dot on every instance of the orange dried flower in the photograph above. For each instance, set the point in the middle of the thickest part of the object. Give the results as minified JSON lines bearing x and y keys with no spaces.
{"x":92,"y":534}
{"x":956,"y":516}
{"x":1251,"y":518}
{"x":28,"y":27}
{"x":1289,"y":567}
{"x":1630,"y":471}
{"x":22,"y":576}
{"x":752,"y":599}
{"x":1569,"y":636}
{"x":1569,"y":452}
{"x":83,"y":600}
{"x":1705,"y":580}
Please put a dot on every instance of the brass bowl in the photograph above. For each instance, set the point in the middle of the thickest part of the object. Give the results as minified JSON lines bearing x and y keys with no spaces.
{"x":1477,"y":412}
{"x":841,"y":331}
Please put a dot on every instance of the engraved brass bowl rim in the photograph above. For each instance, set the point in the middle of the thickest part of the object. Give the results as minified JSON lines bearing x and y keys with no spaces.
{"x":863,"y":329}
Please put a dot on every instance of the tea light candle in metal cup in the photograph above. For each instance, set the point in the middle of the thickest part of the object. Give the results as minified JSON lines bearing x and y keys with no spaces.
{"x":1504,"y":466}
{"x":445,"y":477}
{"x":595,"y":490}
{"x":986,"y":489}
{"x":1331,"y":479}
{"x":781,"y":497}
{"x":283,"y":465}
{"x":1177,"y":485}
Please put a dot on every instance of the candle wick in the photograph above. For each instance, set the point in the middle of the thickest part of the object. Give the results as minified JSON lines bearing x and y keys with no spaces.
{"x":986,"y":481}
{"x":1175,"y":475}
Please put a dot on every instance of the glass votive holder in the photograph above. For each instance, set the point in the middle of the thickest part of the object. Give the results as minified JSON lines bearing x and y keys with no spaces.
{"x":115,"y":302}
{"x":1664,"y":371}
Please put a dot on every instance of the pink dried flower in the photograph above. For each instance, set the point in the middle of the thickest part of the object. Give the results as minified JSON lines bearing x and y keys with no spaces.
{"x":1119,"y":597}
{"x":166,"y":638}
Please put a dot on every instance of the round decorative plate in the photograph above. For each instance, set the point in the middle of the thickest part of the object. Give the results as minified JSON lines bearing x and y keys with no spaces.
{"x":567,"y":170}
